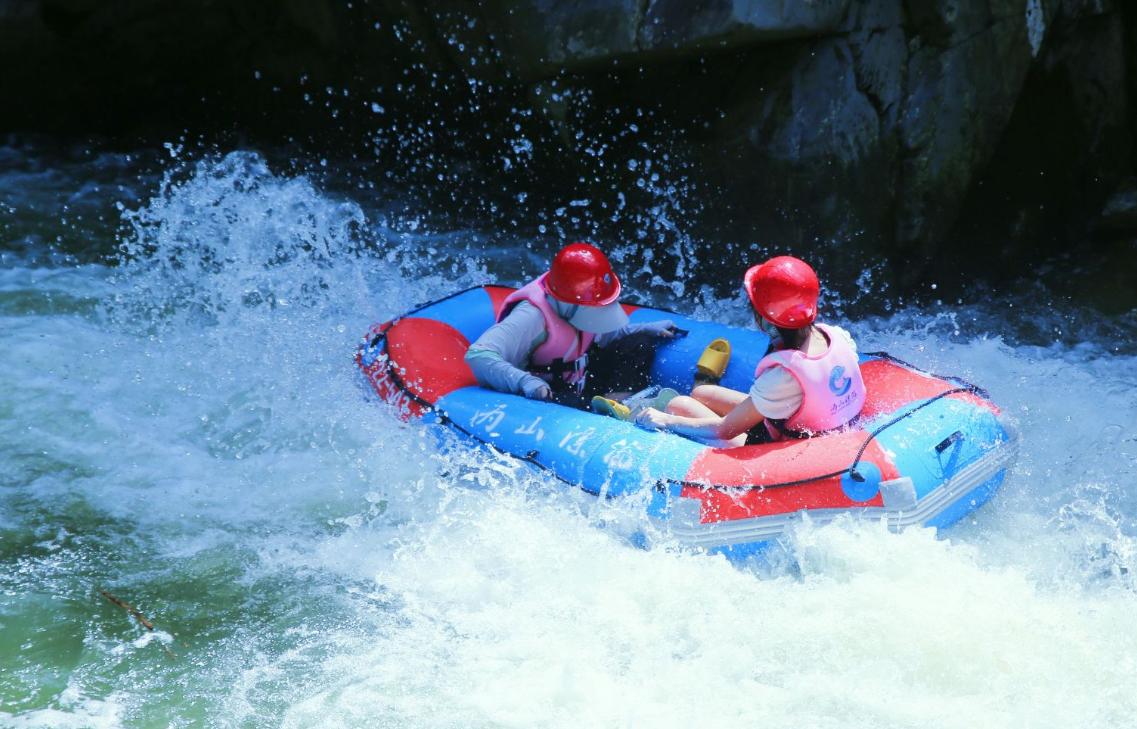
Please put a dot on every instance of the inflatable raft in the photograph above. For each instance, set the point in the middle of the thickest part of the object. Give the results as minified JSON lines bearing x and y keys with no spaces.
{"x":925,"y":449}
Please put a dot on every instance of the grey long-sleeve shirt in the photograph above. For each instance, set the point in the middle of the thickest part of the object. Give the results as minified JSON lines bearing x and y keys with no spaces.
{"x":499,"y":358}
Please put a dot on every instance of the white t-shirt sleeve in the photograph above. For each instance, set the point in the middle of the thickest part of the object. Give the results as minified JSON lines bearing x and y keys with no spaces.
{"x":776,"y":393}
{"x":842,"y":334}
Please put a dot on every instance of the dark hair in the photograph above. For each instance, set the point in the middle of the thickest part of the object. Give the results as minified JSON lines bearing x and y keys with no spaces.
{"x":794,"y":338}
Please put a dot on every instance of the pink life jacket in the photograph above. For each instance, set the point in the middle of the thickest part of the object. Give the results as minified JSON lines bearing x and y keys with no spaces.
{"x":833,"y":392}
{"x":563,"y":351}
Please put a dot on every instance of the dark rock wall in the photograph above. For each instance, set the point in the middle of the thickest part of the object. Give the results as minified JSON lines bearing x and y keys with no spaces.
{"x":939,"y":135}
{"x":1056,"y":186}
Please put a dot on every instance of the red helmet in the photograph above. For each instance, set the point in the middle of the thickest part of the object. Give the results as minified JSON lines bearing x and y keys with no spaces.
{"x":784,"y":291}
{"x":581,"y":274}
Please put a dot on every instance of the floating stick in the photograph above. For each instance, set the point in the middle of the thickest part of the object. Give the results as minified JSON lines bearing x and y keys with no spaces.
{"x":141,"y":618}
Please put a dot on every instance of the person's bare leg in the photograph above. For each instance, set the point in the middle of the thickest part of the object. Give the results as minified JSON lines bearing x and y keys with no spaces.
{"x":720,"y":400}
{"x":691,"y":408}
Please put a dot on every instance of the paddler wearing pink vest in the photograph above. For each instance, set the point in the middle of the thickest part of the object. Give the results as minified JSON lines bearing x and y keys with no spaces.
{"x":809,"y":382}
{"x":564,"y":335}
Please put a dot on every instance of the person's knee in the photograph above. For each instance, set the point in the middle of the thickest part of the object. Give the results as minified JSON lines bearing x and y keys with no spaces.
{"x":681,"y":405}
{"x":707,"y":394}
{"x":702,"y":391}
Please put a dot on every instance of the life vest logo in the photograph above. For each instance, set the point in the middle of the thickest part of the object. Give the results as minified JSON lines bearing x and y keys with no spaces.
{"x":838,"y":383}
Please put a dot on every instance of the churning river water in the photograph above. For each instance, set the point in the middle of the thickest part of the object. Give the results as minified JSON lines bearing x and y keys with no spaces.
{"x":182,"y":427}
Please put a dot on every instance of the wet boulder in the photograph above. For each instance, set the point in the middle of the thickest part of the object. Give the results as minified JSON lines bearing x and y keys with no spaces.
{"x":960,"y":94}
{"x":542,"y":38}
{"x":835,"y":120}
{"x":1052,"y":185}
{"x":684,"y":25}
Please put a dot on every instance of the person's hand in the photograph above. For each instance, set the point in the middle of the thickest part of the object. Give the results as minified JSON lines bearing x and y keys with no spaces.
{"x":653,"y":419}
{"x":535,"y":389}
{"x":664,"y":328}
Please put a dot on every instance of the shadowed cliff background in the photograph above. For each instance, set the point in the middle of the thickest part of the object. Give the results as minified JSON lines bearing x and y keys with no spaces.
{"x":947,"y":141}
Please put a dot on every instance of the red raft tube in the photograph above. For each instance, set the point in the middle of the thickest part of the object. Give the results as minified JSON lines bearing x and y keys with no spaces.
{"x":925,"y":450}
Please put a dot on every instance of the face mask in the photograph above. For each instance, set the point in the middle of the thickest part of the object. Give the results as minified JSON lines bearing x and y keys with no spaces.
{"x":572,"y":313}
{"x":564,"y":310}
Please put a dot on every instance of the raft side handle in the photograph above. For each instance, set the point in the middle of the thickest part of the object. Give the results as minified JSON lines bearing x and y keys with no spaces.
{"x":944,"y":444}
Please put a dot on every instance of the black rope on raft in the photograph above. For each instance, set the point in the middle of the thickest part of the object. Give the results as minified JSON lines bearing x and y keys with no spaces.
{"x":970,"y":387}
{"x":851,"y":470}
